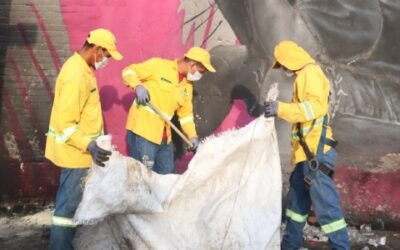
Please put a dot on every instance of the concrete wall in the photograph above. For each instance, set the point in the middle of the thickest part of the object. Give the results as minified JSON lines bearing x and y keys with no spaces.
{"x":357,"y":47}
{"x":34,"y":44}
{"x":38,"y":36}
{"x":356,"y":43}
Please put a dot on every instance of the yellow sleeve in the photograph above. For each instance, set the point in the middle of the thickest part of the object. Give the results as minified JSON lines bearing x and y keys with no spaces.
{"x":311,"y":91}
{"x":185,"y":116}
{"x":72,"y":99}
{"x":134,"y":74}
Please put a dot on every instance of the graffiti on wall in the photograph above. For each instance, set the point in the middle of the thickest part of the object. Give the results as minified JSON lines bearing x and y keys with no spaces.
{"x":163,"y":29}
{"x":356,"y":47}
{"x":43,"y":40}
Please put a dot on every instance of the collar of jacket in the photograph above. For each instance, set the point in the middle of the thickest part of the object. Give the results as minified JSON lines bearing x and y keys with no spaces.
{"x":83,"y":63}
{"x":175,"y":67}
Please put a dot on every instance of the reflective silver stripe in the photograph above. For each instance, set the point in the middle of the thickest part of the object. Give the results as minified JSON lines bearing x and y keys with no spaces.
{"x":65,"y":135}
{"x":63,"y":221}
{"x":307,"y":130}
{"x":334,"y":226}
{"x":128,"y":72}
{"x":186,"y":119}
{"x":147,"y":108}
{"x":295,"y":216}
{"x":308,"y":109}
{"x":63,"y":138}
{"x":51,"y":132}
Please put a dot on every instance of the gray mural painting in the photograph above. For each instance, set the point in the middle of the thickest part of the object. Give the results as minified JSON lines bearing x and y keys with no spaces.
{"x":356,"y":42}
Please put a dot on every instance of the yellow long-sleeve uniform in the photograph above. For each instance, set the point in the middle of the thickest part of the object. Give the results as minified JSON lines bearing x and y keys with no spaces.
{"x":160,"y":77}
{"x":76,"y":117}
{"x":310,"y":101}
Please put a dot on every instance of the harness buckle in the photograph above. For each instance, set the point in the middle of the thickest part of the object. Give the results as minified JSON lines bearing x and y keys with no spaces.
{"x":313,"y":164}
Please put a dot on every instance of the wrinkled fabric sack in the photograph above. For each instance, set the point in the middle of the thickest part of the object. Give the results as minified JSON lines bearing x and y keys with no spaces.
{"x":229,"y":198}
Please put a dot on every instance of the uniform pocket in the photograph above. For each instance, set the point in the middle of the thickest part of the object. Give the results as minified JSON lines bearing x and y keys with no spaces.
{"x":92,"y":108}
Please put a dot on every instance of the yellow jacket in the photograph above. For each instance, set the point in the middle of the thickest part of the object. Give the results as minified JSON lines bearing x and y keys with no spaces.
{"x":160,"y":77}
{"x":310,"y":101}
{"x":76,"y":117}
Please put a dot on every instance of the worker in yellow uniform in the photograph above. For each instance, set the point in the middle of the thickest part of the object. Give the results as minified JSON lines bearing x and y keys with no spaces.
{"x":313,"y":150}
{"x":168,"y":86}
{"x":75,"y":123}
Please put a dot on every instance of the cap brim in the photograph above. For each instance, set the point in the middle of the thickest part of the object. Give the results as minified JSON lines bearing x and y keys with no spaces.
{"x":276,"y":65}
{"x":115,"y":54}
{"x":209,"y":67}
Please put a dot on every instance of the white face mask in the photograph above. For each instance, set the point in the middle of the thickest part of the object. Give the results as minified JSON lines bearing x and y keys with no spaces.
{"x":102,"y":63}
{"x":194,"y":77}
{"x":289,"y":73}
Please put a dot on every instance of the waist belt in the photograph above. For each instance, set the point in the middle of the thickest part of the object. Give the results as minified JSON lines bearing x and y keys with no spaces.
{"x":324,"y":169}
{"x":331,"y":143}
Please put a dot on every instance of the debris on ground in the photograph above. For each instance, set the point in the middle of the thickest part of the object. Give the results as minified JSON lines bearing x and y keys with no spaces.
{"x":366,"y":236}
{"x":32,"y":232}
{"x":363,"y":238}
{"x":314,"y":234}
{"x":25,"y":231}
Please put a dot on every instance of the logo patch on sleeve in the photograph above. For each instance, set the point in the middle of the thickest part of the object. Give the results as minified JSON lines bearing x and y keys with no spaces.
{"x":165,"y":80}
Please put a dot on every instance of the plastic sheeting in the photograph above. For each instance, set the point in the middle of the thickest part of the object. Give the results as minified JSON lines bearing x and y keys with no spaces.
{"x":229,"y":198}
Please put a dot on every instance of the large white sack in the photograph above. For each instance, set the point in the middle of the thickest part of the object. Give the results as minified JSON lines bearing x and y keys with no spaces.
{"x":229,"y":198}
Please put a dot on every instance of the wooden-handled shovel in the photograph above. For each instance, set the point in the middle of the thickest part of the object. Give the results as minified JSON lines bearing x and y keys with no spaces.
{"x":165,"y":118}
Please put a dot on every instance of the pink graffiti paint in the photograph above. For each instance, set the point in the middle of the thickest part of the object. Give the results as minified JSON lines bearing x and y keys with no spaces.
{"x":143,"y":29}
{"x":27,"y":101}
{"x":367,"y":195}
{"x":237,"y":117}
{"x":208,"y":27}
{"x":35,"y":62}
{"x":29,"y":180}
{"x":50,"y":44}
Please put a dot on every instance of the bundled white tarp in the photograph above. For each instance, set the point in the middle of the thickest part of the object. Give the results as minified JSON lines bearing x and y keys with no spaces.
{"x":229,"y":198}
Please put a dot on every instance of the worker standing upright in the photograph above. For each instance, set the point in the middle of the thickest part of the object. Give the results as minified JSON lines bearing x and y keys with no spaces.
{"x":75,"y":123}
{"x":313,"y":150}
{"x":168,"y":84}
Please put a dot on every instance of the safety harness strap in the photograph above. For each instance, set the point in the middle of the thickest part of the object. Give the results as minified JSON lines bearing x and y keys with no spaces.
{"x":315,"y":162}
{"x":323,"y":140}
{"x":303,"y":143}
{"x":320,"y":150}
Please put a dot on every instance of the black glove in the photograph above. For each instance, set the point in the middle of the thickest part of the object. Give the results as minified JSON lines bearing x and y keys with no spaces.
{"x":99,"y":155}
{"x":271,"y":109}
